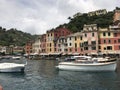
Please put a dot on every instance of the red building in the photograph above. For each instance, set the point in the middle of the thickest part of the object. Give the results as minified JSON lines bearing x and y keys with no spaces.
{"x":58,"y":33}
{"x":28,"y":47}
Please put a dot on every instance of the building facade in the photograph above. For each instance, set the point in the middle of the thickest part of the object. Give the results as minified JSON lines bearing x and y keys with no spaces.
{"x":43,"y":43}
{"x":28,"y":47}
{"x":36,"y":49}
{"x":90,"y":39}
{"x":97,"y":12}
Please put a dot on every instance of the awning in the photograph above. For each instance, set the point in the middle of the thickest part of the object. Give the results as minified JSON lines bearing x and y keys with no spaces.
{"x":54,"y":53}
{"x":44,"y":54}
{"x":94,"y":53}
{"x":75,"y":53}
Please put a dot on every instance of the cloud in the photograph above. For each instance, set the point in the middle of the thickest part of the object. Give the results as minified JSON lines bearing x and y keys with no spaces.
{"x":37,"y":16}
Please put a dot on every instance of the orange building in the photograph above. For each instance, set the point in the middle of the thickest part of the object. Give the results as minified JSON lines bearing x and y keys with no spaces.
{"x":28,"y":47}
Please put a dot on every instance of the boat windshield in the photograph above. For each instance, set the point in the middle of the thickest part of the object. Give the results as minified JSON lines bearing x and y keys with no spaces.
{"x":83,"y":58}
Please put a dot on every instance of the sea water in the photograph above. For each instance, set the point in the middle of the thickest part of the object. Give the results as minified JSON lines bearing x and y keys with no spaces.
{"x":42,"y":75}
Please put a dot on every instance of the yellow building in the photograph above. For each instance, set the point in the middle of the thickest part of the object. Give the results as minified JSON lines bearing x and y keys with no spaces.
{"x":78,"y":49}
{"x":106,"y":41}
{"x":50,"y":42}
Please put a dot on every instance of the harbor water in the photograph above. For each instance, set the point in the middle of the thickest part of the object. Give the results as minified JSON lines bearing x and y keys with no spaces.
{"x":42,"y":75}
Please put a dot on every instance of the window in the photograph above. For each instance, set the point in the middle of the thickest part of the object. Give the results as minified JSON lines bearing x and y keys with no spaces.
{"x":81,"y":44}
{"x":65,"y":44}
{"x":85,"y":48}
{"x":75,"y":38}
{"x":114,"y":41}
{"x":70,"y":38}
{"x":70,"y":49}
{"x":85,"y":43}
{"x":65,"y":50}
{"x":118,"y":40}
{"x":50,"y":44}
{"x":55,"y":44}
{"x":104,"y":48}
{"x":55,"y":49}
{"x":75,"y":44}
{"x":93,"y":34}
{"x":99,"y":41}
{"x":99,"y":47}
{"x":109,"y":41}
{"x":80,"y":38}
{"x":93,"y":42}
{"x":109,"y":33}
{"x":70,"y":44}
{"x":81,"y":49}
{"x":85,"y":35}
{"x":59,"y":45}
{"x":115,"y":34}
{"x":76,"y":49}
{"x":104,"y":34}
{"x":104,"y":41}
{"x":119,"y":47}
{"x":109,"y":47}
{"x":93,"y":48}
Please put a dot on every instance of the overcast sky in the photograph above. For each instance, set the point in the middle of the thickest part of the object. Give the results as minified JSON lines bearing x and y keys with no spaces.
{"x":37,"y":16}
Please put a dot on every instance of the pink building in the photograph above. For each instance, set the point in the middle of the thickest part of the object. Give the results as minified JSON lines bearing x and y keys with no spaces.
{"x":90,"y":39}
{"x":43,"y":43}
{"x":116,"y":38}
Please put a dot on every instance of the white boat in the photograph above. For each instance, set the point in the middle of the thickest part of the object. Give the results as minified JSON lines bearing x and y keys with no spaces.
{"x":16,"y":57}
{"x":12,"y":67}
{"x":86,"y":63}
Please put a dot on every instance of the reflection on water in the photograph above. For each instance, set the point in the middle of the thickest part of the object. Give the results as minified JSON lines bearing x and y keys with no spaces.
{"x":42,"y":75}
{"x":90,"y":80}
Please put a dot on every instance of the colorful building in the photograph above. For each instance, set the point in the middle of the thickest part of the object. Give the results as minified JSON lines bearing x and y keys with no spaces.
{"x":43,"y":43}
{"x":106,"y":41}
{"x":28,"y":47}
{"x":51,"y":39}
{"x":36,"y":49}
{"x":77,"y":40}
{"x":62,"y":45}
{"x":116,"y":38}
{"x":90,"y":39}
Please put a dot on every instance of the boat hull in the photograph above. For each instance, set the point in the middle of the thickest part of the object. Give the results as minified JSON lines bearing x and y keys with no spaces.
{"x":110,"y":66}
{"x":15,"y":69}
{"x":8,"y":67}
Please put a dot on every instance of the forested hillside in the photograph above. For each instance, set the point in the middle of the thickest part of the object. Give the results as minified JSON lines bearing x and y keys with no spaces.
{"x":77,"y":23}
{"x":14,"y":37}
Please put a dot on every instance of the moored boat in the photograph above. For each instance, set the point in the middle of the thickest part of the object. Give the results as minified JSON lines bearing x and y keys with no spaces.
{"x":86,"y":63}
{"x":12,"y":67}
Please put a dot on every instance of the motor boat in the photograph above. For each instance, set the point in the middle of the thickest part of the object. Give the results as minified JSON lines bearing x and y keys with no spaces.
{"x":12,"y":67}
{"x":87,"y":63}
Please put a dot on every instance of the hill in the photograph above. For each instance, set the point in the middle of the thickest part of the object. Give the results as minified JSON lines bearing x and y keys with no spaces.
{"x":14,"y":37}
{"x":76,"y":23}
